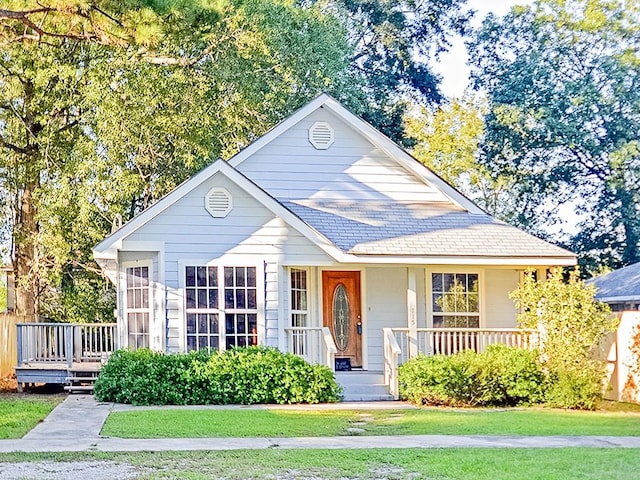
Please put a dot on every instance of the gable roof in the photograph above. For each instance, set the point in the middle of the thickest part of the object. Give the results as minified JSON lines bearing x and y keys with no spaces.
{"x":618,"y":286}
{"x":107,"y":249}
{"x":373,"y":231}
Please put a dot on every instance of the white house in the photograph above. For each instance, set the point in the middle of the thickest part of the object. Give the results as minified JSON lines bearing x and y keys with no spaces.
{"x":322,"y":222}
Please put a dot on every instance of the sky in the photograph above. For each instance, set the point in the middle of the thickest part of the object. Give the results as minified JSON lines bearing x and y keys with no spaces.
{"x":452,"y":65}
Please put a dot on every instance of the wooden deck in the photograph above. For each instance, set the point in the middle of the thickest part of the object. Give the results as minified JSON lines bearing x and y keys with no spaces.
{"x":62,"y":353}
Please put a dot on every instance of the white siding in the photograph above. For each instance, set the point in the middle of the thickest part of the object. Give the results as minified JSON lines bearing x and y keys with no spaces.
{"x":385,"y":304}
{"x":249,"y":235}
{"x":500,"y":309}
{"x":291,"y":168}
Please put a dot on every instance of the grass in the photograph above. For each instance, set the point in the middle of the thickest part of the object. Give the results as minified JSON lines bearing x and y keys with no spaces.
{"x":20,"y":413}
{"x":178,"y":423}
{"x":440,"y":464}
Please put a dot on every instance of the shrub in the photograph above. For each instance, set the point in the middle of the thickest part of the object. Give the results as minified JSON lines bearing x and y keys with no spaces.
{"x":501,"y":376}
{"x":572,"y":325}
{"x":237,"y":376}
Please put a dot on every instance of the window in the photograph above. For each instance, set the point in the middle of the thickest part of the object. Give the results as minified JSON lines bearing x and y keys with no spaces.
{"x":138,"y":306}
{"x":455,"y":300}
{"x":299,"y":308}
{"x":206,"y":289}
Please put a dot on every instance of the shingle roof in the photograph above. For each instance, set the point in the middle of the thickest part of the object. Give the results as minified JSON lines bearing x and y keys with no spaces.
{"x":417,"y":229}
{"x":620,"y":284}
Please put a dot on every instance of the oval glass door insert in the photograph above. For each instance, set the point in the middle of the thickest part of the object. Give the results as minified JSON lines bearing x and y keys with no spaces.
{"x":341,"y":317}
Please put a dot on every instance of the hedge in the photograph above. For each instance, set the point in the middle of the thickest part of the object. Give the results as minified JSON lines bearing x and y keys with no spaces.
{"x":237,"y":376}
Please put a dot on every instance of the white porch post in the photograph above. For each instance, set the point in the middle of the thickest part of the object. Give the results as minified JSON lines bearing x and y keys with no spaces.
{"x":412,"y":312}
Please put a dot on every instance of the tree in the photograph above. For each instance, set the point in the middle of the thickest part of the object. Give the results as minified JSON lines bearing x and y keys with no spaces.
{"x":447,"y":140}
{"x":105,"y":106}
{"x":572,"y":325}
{"x":563,"y":80}
{"x":394,"y":41}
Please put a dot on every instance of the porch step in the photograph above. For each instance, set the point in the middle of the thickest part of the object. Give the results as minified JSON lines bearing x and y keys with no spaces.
{"x":363,"y":386}
{"x":82,"y":379}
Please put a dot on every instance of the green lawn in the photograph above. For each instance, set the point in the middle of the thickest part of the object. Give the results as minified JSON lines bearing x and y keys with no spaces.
{"x":20,"y":413}
{"x":440,"y":464}
{"x":177,"y":423}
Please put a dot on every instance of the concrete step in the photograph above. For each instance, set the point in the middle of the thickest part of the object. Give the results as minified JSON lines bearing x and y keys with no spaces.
{"x":78,"y":388}
{"x":363,"y":386}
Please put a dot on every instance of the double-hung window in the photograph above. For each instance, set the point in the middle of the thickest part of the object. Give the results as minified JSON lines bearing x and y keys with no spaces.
{"x":299,"y":308}
{"x":138,"y":306}
{"x":455,"y":300}
{"x":221,"y":307}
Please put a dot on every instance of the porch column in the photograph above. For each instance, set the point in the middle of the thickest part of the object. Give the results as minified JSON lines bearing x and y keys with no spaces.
{"x":412,"y":312}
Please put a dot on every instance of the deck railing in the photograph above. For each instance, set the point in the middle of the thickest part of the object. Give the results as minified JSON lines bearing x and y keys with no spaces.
{"x":448,"y":341}
{"x":392,"y":352}
{"x":314,"y":344}
{"x":64,"y":342}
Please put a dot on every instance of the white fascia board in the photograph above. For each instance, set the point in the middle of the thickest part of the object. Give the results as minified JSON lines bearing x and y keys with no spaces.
{"x":113,"y":243}
{"x":279,"y":129}
{"x":401,"y":156}
{"x":619,"y":299}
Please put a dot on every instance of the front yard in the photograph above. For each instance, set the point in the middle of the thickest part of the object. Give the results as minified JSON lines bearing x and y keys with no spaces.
{"x":19,"y":413}
{"x":278,"y":422}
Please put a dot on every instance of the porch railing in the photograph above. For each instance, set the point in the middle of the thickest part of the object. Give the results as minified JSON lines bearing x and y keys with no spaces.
{"x":64,"y":342}
{"x":391,"y":353}
{"x":448,"y":341}
{"x":314,"y":344}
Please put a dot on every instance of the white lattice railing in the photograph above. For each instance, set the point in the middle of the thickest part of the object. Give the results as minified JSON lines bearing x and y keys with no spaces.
{"x":391,"y":353}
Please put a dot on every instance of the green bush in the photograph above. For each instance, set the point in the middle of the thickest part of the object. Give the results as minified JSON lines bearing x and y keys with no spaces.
{"x":501,"y":376}
{"x":576,"y":387}
{"x":238,"y":376}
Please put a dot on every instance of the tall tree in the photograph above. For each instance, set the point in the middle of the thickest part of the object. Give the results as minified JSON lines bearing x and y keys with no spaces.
{"x":105,"y":106}
{"x":563,"y":79}
{"x":394,"y":42}
{"x":447,"y":140}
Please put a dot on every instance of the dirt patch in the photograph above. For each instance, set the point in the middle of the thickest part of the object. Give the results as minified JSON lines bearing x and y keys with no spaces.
{"x":69,"y":471}
{"x":8,"y":384}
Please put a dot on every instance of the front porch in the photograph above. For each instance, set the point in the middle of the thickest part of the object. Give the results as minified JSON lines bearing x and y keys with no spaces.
{"x":63,"y":353}
{"x":316,"y":345}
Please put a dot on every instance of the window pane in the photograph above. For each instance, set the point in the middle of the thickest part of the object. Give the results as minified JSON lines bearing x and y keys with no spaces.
{"x":191,"y":323}
{"x":438,"y":322}
{"x":240,"y":299}
{"x":213,"y":323}
{"x":191,"y":276}
{"x":203,"y":343}
{"x":129,"y":298}
{"x":437,"y":302}
{"x":191,"y":298}
{"x":213,"y":298}
{"x":213,"y":277}
{"x":228,"y":298}
{"x":202,"y":298}
{"x":240,"y":277}
{"x":191,"y":343}
{"x":229,"y":324}
{"x":436,"y":280}
{"x":203,"y":324}
{"x":251,"y":299}
{"x":251,"y":276}
{"x":447,"y":281}
{"x":241,"y":324}
{"x":202,"y":276}
{"x":228,"y":276}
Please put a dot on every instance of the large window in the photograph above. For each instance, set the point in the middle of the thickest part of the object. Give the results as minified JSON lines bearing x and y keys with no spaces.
{"x":212,"y":324}
{"x":138,"y":306}
{"x":455,"y":300}
{"x":299,"y":308}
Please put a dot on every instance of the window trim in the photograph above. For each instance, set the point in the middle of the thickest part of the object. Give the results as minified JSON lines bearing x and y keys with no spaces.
{"x":220,"y":264}
{"x":125,"y":309}
{"x":454,"y":270}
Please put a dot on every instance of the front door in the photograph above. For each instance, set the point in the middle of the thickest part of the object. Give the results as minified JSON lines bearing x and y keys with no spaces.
{"x":341,"y":311}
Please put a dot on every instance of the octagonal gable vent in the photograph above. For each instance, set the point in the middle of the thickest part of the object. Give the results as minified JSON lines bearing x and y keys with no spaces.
{"x":321,"y":135}
{"x":218,"y":202}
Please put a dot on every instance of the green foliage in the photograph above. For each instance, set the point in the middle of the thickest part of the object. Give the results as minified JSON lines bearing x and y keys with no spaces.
{"x":563,"y":81}
{"x":238,"y":376}
{"x":572,"y":325}
{"x":500,"y":376}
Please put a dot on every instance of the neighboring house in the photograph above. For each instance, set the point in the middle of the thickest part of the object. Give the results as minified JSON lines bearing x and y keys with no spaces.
{"x":620,"y":288}
{"x":322,"y":222}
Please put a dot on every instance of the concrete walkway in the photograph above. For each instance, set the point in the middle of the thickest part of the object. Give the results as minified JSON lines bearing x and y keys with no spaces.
{"x":74,"y":426}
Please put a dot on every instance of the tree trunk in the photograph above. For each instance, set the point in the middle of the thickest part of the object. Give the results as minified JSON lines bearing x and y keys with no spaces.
{"x":25,"y":255}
